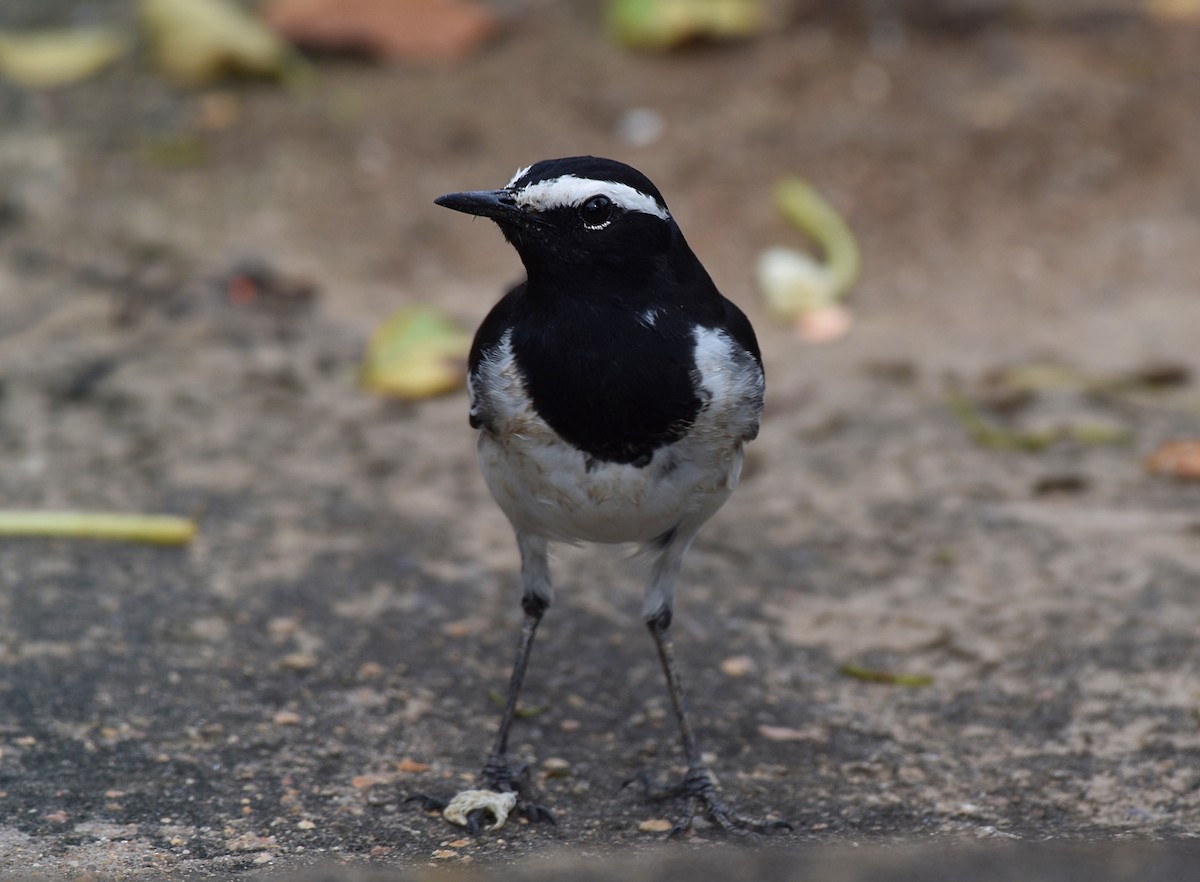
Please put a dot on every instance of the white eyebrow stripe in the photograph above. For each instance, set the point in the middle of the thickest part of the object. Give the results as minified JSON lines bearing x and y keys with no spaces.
{"x":520,"y":174}
{"x":569,"y":190}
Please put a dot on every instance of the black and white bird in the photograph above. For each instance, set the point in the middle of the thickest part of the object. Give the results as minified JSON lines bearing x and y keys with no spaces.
{"x":613,"y":392}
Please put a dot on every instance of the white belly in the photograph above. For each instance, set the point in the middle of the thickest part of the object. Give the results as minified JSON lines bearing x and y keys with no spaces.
{"x":546,"y":488}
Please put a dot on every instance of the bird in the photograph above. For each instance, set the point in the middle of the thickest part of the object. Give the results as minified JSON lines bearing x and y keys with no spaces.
{"x":613,"y":392}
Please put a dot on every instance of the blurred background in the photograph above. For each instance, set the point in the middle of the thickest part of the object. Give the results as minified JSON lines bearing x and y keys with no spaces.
{"x":954,"y":596}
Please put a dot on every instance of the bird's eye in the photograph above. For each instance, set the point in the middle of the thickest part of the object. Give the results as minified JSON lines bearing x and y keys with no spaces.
{"x":596,"y":212}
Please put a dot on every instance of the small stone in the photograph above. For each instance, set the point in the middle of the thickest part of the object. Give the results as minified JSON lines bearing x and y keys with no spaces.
{"x":370,"y":670}
{"x":365,"y":782}
{"x":459,"y":843}
{"x":381,"y":850}
{"x":412,"y":766}
{"x":282,"y":627}
{"x":655,"y":825}
{"x":570,"y":725}
{"x":287,"y":718}
{"x":444,"y":853}
{"x":298,"y":661}
{"x":305,"y":825}
{"x":737,"y":666}
{"x":464,"y":627}
{"x":556,"y":767}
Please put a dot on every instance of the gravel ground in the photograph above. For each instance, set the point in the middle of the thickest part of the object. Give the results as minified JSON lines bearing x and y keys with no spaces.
{"x":264,"y":699}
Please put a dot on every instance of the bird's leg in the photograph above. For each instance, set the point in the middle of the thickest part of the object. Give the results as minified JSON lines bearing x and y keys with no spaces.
{"x":471,"y":808}
{"x":536,"y":593}
{"x":496,"y":774}
{"x":697,"y":786}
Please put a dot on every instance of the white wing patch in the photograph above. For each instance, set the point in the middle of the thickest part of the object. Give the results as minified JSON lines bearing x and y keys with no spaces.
{"x":732,"y":382}
{"x":569,"y":191}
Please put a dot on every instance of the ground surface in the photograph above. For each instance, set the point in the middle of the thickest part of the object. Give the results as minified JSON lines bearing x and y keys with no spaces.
{"x":269,"y":695}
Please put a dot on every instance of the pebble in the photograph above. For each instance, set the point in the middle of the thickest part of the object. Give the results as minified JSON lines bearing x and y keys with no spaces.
{"x":287,"y":718}
{"x":655,"y":825}
{"x":737,"y":666}
{"x":556,"y":767}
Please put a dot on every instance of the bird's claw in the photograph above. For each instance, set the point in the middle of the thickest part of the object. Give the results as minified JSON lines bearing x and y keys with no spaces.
{"x":704,"y":801}
{"x":427,"y":803}
{"x":499,"y":793}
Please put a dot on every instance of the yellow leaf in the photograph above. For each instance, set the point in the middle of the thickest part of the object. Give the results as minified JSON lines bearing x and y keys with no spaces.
{"x":43,"y":59}
{"x":200,"y":41}
{"x":664,"y":24}
{"x":157,"y":529}
{"x":417,"y":353}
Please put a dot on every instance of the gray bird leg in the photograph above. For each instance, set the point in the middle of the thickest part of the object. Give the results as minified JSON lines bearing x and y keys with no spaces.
{"x":698,"y":786}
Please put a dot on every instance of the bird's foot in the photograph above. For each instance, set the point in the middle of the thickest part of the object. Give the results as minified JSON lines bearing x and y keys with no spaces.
{"x":700,"y":791}
{"x":499,"y":792}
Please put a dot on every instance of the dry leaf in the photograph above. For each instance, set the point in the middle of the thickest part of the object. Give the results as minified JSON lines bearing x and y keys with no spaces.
{"x":417,"y":353}
{"x":1179,"y":459}
{"x":201,"y":41}
{"x":397,"y":30}
{"x":665,"y":24}
{"x":44,"y":59}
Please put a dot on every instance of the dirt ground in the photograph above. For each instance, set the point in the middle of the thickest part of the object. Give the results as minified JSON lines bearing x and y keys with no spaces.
{"x":1024,"y":189}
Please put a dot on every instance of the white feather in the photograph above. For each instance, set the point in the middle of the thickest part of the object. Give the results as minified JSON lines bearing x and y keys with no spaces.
{"x":569,"y":191}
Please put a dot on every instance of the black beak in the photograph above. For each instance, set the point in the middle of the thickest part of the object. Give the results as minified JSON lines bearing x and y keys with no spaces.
{"x":498,"y":204}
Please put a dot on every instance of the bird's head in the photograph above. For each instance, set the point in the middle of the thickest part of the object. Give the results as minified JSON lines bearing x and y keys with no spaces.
{"x":575,"y":215}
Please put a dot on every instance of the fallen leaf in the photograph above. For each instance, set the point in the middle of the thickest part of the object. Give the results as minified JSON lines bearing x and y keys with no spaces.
{"x":666,"y":24}
{"x":423,"y":31}
{"x":522,"y":711}
{"x":43,"y":59}
{"x":870,"y":675}
{"x":155,"y":529}
{"x":201,"y":41}
{"x":801,"y":288}
{"x":986,"y":434}
{"x":1178,"y":459}
{"x":418,"y":352}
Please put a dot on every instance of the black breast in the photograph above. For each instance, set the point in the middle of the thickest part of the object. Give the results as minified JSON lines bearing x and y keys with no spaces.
{"x":608,"y":384}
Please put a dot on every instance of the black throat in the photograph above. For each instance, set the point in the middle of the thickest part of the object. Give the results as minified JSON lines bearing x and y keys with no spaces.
{"x":607,"y":355}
